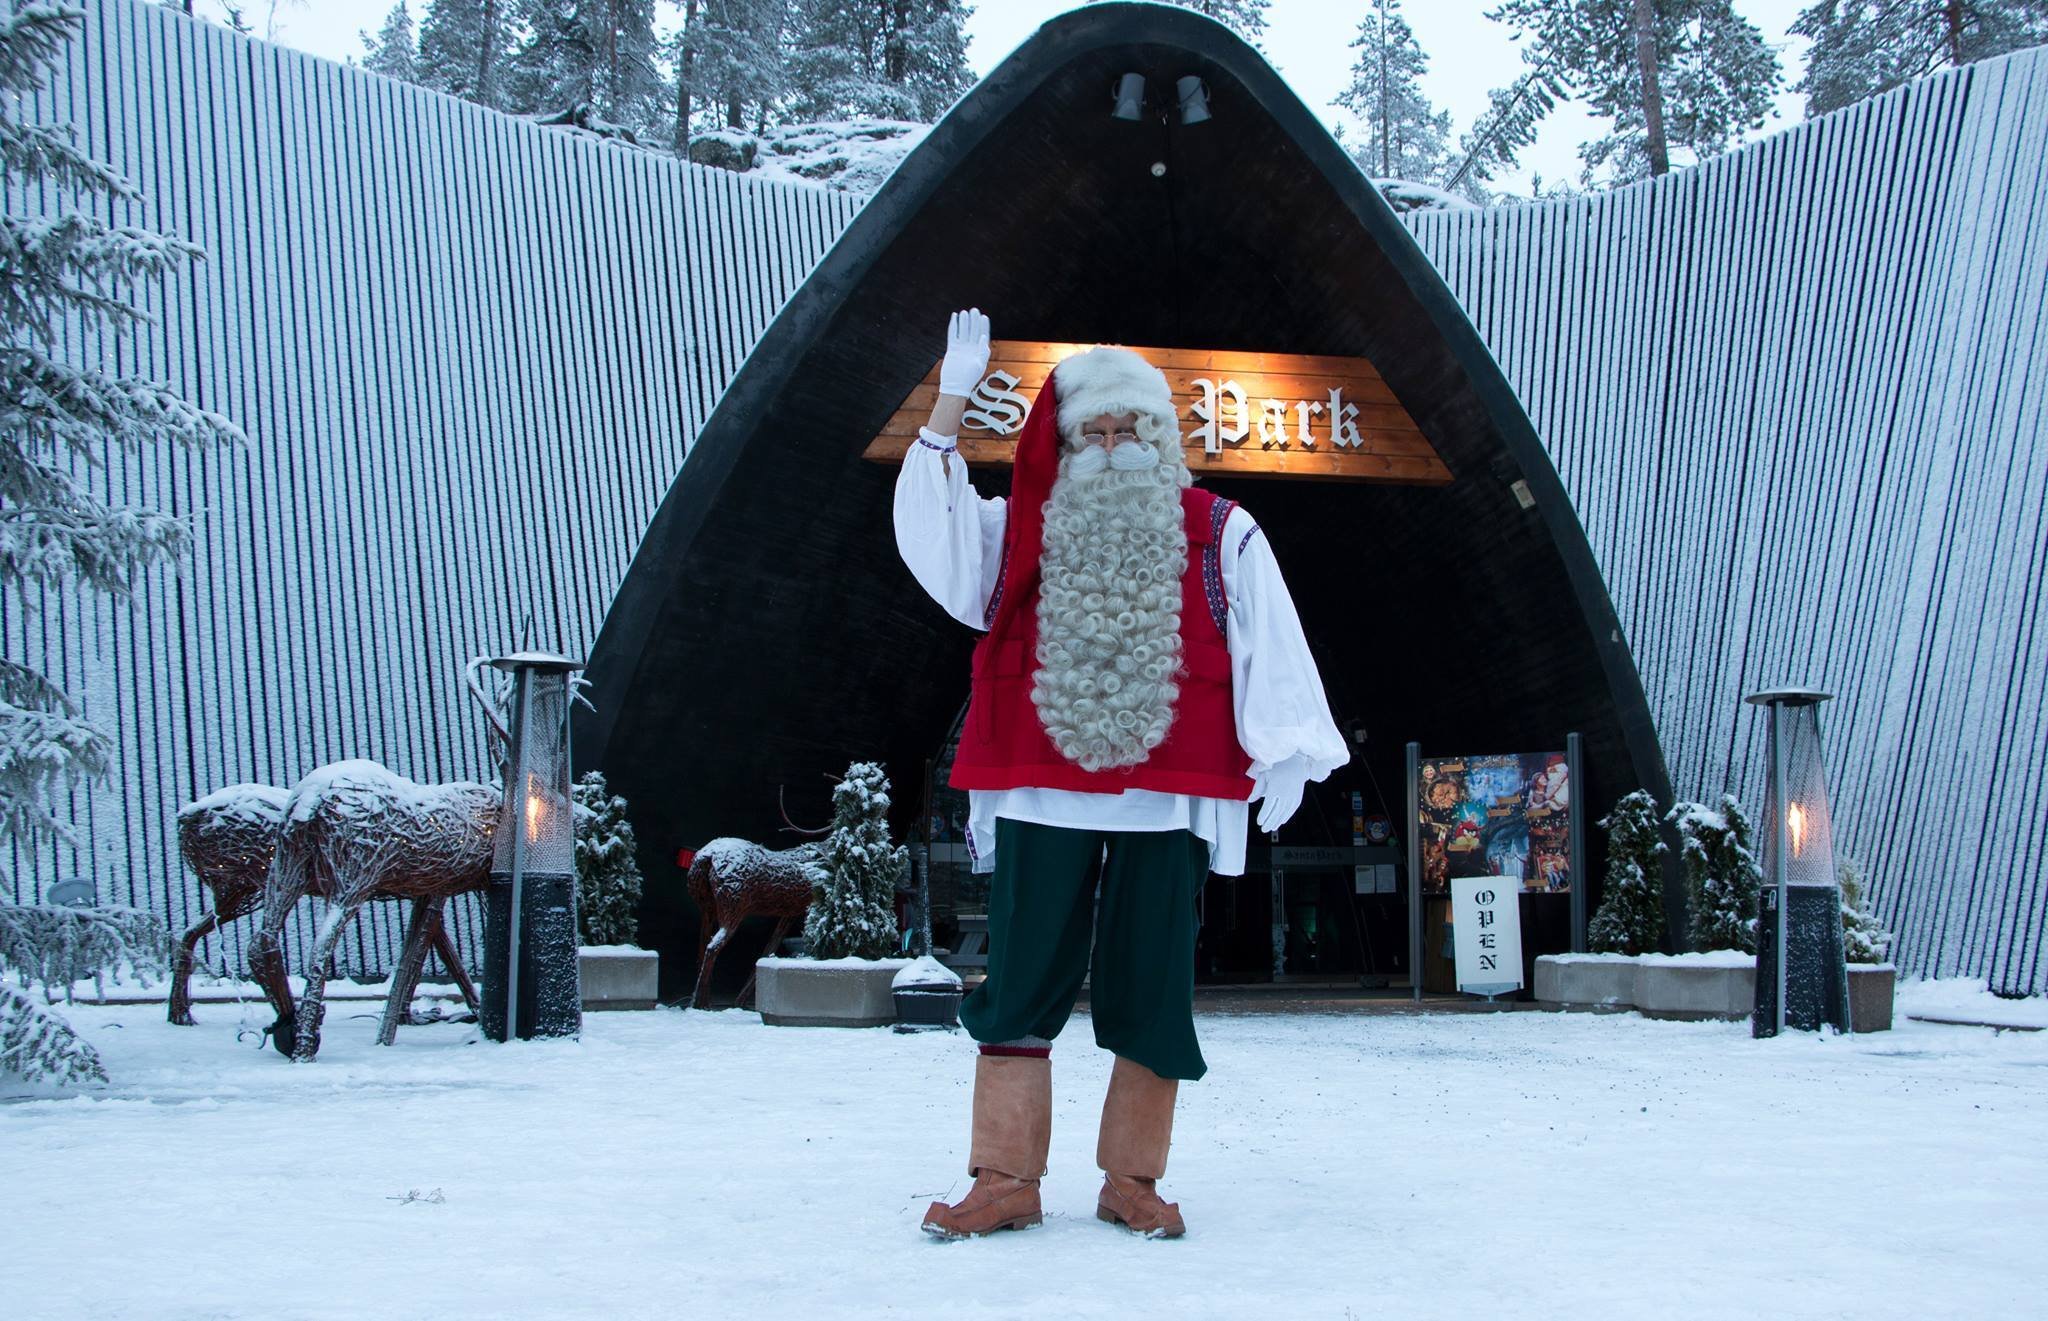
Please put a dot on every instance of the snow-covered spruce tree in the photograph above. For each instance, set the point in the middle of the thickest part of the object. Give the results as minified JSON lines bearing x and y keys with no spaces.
{"x":853,"y":909}
{"x":1863,"y":940}
{"x":893,"y":59}
{"x":66,"y":268}
{"x":729,"y":55}
{"x":592,"y":54}
{"x":394,"y":51}
{"x":1631,"y":916}
{"x":1864,"y":47}
{"x":607,"y":873}
{"x":1406,"y":137}
{"x":463,"y":47}
{"x":1664,"y":73}
{"x":1721,"y":871}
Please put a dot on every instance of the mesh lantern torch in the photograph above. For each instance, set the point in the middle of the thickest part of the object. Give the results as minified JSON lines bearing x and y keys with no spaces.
{"x":530,"y":933}
{"x":1802,"y":974}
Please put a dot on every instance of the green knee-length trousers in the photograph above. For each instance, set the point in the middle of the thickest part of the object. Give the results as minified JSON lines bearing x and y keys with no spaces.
{"x":1042,"y":921}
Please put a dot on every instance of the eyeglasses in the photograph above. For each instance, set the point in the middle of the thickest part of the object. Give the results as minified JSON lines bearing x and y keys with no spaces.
{"x":1096,"y":437}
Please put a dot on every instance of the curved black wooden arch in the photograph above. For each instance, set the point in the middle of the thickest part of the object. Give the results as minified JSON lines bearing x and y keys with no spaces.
{"x":767,"y":632}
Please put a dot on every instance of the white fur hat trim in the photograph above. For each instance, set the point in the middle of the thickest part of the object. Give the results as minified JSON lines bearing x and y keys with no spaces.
{"x":1107,"y":379}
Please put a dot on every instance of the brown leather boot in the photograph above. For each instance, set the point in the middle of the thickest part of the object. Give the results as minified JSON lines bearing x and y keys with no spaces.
{"x":1006,"y":1154}
{"x":1137,"y":1128}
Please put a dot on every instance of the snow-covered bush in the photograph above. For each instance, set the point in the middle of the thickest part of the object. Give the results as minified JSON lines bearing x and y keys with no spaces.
{"x":853,"y":910}
{"x":1631,"y":916}
{"x":1863,"y":940}
{"x":66,"y":274}
{"x":607,"y":873}
{"x":1721,"y":872}
{"x":54,"y":945}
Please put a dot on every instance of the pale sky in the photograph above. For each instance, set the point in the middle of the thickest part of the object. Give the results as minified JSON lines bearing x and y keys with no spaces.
{"x":1307,"y":40}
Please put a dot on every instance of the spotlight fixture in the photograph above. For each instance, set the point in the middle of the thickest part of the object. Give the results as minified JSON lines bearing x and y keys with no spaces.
{"x":1130,"y":96}
{"x":1194,"y":99}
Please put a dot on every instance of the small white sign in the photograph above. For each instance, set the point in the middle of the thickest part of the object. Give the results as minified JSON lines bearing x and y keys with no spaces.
{"x":1486,"y":929}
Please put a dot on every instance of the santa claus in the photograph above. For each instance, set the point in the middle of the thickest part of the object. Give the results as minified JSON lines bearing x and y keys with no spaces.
{"x":1143,"y":676}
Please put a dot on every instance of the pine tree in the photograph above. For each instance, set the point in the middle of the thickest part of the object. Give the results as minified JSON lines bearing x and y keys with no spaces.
{"x":594,"y":54}
{"x":853,"y":908}
{"x":1247,"y":18}
{"x":1723,"y":877}
{"x":1863,"y":940}
{"x":394,"y":51}
{"x":729,"y":52}
{"x":1405,"y":136}
{"x":463,"y":48}
{"x":607,"y":872}
{"x":1864,"y":47}
{"x":891,"y":59}
{"x":68,"y":268}
{"x":1631,"y":916}
{"x":1664,"y":73}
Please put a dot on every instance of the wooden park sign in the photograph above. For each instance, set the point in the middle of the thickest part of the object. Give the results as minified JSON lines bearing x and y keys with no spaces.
{"x":1242,"y":414}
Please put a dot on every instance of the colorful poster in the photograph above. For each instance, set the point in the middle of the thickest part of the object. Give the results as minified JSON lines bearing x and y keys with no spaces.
{"x":1507,"y":814}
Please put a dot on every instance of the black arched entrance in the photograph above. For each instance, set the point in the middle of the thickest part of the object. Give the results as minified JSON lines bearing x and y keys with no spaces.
{"x":767,"y":632}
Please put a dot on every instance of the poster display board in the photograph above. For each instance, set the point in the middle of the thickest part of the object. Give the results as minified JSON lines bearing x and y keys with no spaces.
{"x":1486,"y":934}
{"x":1505,"y":816}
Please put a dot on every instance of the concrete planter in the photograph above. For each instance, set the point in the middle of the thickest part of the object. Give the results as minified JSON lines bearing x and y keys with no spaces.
{"x":1721,"y":984}
{"x":1670,"y":989}
{"x":1870,"y":996}
{"x":826,"y":992}
{"x":1586,"y":981}
{"x":618,"y":976}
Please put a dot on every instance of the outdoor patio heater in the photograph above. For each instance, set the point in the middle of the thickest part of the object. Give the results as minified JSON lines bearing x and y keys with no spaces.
{"x":1802,"y":974}
{"x":530,"y":932}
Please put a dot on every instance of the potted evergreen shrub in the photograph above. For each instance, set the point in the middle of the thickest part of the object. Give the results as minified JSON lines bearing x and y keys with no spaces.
{"x":1872,"y":978}
{"x":844,"y":977}
{"x":1629,"y":923}
{"x":1723,"y":878}
{"x":615,"y":972}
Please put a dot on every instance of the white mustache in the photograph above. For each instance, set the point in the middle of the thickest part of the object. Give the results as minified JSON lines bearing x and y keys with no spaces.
{"x":1134,"y":457}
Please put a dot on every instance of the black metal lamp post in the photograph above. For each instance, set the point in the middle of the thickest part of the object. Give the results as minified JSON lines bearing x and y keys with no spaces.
{"x":1802,"y":975}
{"x":530,"y":934}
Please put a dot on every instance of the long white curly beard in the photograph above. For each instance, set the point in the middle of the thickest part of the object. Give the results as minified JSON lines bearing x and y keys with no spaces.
{"x":1109,"y":598}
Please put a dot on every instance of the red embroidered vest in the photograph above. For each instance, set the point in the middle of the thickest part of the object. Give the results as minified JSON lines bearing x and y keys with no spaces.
{"x":1003,"y":745}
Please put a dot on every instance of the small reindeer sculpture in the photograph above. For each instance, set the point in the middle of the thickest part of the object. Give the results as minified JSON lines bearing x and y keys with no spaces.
{"x":734,"y":879}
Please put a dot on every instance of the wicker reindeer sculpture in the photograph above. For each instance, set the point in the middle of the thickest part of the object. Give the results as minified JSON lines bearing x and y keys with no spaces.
{"x":354,"y":831}
{"x":228,"y":838}
{"x":734,"y":879}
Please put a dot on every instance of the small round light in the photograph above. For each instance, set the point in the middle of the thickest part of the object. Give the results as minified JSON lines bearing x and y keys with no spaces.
{"x":1159,"y":169}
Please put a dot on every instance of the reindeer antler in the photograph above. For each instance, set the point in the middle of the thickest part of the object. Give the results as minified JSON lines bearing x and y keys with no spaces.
{"x":783,"y":807}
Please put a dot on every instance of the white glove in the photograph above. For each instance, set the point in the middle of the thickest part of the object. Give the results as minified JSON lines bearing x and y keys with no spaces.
{"x":966,"y":353}
{"x":1281,"y":786}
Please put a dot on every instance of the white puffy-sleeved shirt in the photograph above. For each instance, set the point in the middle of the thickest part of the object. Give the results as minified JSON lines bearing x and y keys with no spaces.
{"x":951,"y":538}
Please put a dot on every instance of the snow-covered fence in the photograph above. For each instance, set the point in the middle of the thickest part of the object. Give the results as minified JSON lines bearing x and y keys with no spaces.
{"x":1797,"y":396}
{"x":470,"y":353}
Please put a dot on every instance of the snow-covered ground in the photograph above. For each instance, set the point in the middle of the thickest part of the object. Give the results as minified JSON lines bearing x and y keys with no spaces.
{"x":700,"y":1164}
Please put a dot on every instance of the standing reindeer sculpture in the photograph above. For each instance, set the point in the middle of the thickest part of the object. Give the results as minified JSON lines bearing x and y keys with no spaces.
{"x":732,"y":879}
{"x":353,"y":831}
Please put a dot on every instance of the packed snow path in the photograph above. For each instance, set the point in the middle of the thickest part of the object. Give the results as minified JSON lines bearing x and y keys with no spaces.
{"x":1337,"y":1166}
